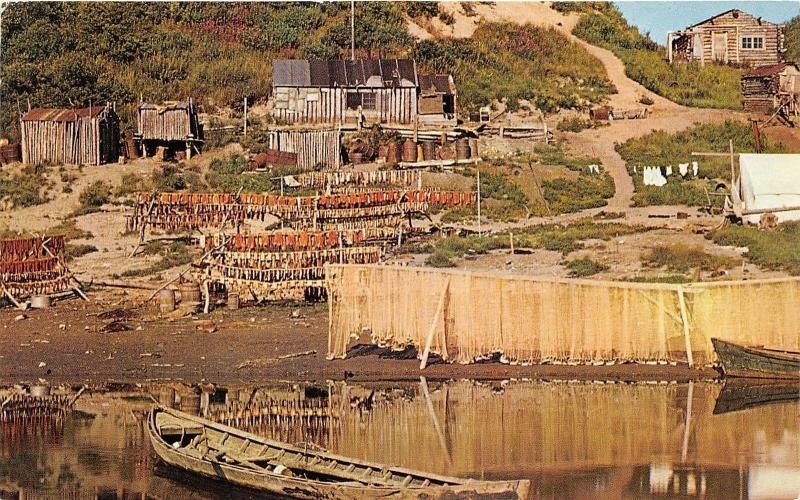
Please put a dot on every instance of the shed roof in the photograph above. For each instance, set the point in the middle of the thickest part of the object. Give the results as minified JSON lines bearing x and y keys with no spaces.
{"x":770,"y":181}
{"x":438,"y":84}
{"x":61,"y":114}
{"x":772,"y":69}
{"x":342,"y":73}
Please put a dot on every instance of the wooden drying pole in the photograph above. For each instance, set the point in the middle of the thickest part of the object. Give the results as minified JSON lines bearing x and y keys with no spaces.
{"x":479,"y":201}
{"x":730,"y":154}
{"x":150,"y":209}
{"x":434,"y":321}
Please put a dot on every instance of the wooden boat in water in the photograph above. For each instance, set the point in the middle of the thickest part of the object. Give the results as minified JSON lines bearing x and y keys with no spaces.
{"x":217,"y":451}
{"x":743,"y":394}
{"x":756,"y":362}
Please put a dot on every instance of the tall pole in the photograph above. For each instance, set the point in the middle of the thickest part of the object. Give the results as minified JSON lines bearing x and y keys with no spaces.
{"x":479,"y":202}
{"x":352,"y":30}
{"x":245,"y":116}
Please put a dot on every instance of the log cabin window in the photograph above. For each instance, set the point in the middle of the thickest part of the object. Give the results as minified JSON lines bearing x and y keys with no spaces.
{"x":752,"y":42}
{"x":368,"y":100}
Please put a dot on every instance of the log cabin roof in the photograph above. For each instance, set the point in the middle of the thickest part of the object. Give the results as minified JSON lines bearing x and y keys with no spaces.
{"x":436,"y":84}
{"x":61,"y":114}
{"x":735,"y":12}
{"x":342,"y":73}
{"x":770,"y":70}
{"x":166,"y":106}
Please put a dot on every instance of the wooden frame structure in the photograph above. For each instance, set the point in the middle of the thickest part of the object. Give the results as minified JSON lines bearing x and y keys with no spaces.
{"x":172,"y":124}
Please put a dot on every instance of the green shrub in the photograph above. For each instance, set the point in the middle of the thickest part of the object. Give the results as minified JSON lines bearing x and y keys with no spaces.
{"x":22,"y":190}
{"x":580,"y":268}
{"x":773,"y":249}
{"x":439,"y":259}
{"x":172,"y":255}
{"x":228,"y":175}
{"x":74,"y":251}
{"x":792,"y":39}
{"x":95,"y":195}
{"x":683,"y":258}
{"x":131,"y":183}
{"x":587,"y":191}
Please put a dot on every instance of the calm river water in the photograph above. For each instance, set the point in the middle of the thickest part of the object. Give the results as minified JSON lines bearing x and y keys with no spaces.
{"x":572,"y":440}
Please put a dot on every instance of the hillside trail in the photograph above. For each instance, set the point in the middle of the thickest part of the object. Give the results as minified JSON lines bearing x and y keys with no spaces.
{"x":599,"y":143}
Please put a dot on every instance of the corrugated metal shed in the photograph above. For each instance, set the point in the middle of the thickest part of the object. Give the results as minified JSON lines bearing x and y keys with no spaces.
{"x":343,"y":73}
{"x":61,"y":114}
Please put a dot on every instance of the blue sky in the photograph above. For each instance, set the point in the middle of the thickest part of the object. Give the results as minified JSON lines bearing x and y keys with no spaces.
{"x":660,"y":17}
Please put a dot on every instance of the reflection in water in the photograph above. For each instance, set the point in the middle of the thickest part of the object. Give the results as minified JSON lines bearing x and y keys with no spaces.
{"x":573,"y":440}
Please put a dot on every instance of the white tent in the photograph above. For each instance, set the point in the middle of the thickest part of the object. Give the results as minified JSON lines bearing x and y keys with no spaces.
{"x":767,"y":183}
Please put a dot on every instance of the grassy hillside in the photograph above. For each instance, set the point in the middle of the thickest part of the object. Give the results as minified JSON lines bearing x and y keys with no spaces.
{"x":65,"y":53}
{"x":507,"y":61}
{"x":710,"y":86}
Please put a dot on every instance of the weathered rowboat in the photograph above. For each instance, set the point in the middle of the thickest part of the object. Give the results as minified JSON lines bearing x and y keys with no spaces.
{"x":220,"y":452}
{"x":742,"y":394}
{"x":756,"y":362}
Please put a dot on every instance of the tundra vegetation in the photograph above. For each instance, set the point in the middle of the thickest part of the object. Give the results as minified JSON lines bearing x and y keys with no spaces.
{"x":660,"y":148}
{"x":775,"y":249}
{"x":54,"y":54}
{"x":709,"y":86}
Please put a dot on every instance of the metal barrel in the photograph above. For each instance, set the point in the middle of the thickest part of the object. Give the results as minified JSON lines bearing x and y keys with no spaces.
{"x":409,"y":151}
{"x":233,"y":301}
{"x":462,"y":149}
{"x":166,"y":300}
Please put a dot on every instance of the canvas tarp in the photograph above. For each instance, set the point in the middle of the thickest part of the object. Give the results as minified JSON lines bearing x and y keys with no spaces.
{"x":767,"y":182}
{"x":469,"y":315}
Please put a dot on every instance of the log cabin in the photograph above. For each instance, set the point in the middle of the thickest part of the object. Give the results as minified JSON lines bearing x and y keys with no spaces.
{"x":732,"y":37}
{"x":361,"y":91}
{"x":174,"y":125}
{"x":85,"y":136}
{"x":767,"y":88}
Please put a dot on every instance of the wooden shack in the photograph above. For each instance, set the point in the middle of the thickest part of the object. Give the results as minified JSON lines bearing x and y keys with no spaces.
{"x":85,"y":136}
{"x":335,"y":92}
{"x":437,"y":100}
{"x":733,"y":36}
{"x":174,"y":125}
{"x":768,"y":88}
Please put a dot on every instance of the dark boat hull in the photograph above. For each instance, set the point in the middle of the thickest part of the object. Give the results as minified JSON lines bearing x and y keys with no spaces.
{"x":742,"y":394}
{"x":752,"y":362}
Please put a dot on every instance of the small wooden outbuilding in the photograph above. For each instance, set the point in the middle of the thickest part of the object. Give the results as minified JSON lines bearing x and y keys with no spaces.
{"x":437,"y":100}
{"x":733,"y":36}
{"x":85,"y":136}
{"x":175,"y":125}
{"x":768,"y":88}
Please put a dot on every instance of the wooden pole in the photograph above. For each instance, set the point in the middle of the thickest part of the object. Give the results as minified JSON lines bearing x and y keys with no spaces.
{"x":733,"y":169}
{"x":21,"y":307}
{"x":245,"y":116}
{"x":511,"y":238}
{"x":479,"y":202}
{"x":685,"y":321}
{"x":432,"y":329}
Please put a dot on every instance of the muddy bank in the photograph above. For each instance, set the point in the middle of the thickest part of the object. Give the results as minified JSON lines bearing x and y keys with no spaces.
{"x":75,"y":342}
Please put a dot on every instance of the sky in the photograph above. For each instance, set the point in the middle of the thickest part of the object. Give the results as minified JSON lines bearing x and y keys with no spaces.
{"x":659,"y":17}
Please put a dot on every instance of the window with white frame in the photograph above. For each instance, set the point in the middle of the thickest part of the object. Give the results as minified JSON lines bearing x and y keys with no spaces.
{"x":752,"y":42}
{"x":368,"y":100}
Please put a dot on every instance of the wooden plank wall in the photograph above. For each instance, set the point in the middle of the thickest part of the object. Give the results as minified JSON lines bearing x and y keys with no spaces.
{"x":70,"y":142}
{"x":393,"y":105}
{"x":313,"y":147}
{"x":171,"y":125}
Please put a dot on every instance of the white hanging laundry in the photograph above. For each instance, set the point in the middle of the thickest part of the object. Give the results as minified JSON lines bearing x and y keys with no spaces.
{"x":683,"y":168}
{"x":596,"y":169}
{"x":634,"y":170}
{"x":648,"y":176}
{"x":659,"y":180}
{"x":694,"y":168}
{"x":669,"y":170}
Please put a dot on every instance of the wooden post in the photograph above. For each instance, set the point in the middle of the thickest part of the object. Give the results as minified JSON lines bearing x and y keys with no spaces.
{"x":511,"y":238}
{"x":245,"y":116}
{"x":479,"y":201}
{"x":434,"y":321}
{"x":756,"y":135}
{"x":685,"y":321}
{"x":733,"y":169}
